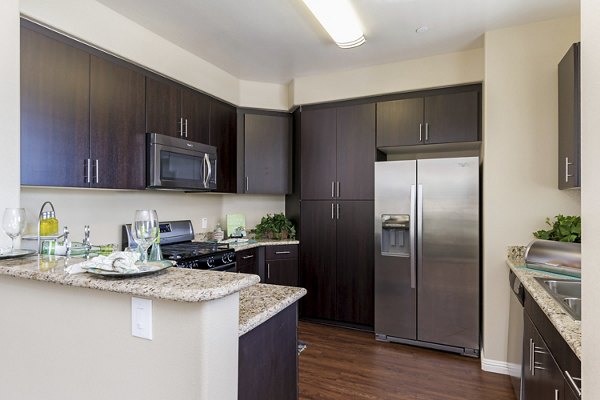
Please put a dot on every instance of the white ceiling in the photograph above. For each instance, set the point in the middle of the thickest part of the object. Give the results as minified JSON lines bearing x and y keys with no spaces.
{"x":277,"y":40}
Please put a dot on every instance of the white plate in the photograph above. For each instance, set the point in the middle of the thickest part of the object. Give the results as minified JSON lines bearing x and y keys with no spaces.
{"x":151,"y":267}
{"x":17,"y":253}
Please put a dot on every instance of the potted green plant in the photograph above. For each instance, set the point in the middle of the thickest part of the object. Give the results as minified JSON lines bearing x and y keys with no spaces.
{"x":275,"y":226}
{"x":562,"y":229}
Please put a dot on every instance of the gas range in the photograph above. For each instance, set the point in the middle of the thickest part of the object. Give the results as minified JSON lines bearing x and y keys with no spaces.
{"x":177,"y":245}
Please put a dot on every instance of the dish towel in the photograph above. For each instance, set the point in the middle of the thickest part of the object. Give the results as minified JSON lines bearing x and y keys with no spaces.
{"x":119,"y":261}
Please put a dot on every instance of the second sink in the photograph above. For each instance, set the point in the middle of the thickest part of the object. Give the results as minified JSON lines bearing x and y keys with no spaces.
{"x":567,"y":292}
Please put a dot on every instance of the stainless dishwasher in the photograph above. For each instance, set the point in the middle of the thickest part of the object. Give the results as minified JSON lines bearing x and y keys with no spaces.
{"x":514,"y":354}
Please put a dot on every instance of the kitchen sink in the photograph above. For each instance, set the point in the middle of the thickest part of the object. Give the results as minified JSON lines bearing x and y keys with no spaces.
{"x":567,"y":292}
{"x":565,"y":288}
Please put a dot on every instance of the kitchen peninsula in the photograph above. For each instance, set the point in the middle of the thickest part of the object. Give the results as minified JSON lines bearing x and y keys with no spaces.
{"x":64,"y":340}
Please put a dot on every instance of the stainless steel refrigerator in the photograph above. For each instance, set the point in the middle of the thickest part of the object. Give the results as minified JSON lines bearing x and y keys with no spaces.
{"x":427,"y":257}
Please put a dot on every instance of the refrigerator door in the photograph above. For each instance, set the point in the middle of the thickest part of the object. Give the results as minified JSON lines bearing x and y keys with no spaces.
{"x":395,"y":249}
{"x":448,"y":251}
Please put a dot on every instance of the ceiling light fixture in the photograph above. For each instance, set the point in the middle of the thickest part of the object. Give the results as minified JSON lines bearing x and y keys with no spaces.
{"x":339,"y":20}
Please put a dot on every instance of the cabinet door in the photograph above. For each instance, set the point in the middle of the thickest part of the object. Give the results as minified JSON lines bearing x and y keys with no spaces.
{"x":318,"y":154}
{"x":163,"y":108}
{"x":542,"y":378}
{"x":452,"y":118}
{"x":54,"y":111}
{"x":268,"y":359}
{"x":247,"y":261}
{"x":318,"y":259}
{"x":117,"y":138}
{"x":399,"y":122}
{"x":282,"y":272}
{"x":223,"y":135}
{"x":569,"y":123}
{"x":354,"y":278}
{"x":355,"y":152}
{"x":267,"y":142}
{"x":195,"y":110}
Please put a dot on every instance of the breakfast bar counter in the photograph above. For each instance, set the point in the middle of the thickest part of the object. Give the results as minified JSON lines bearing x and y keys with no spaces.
{"x":53,"y":321}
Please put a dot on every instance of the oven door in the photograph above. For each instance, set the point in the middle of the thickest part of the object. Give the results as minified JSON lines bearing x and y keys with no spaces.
{"x":179,"y":164}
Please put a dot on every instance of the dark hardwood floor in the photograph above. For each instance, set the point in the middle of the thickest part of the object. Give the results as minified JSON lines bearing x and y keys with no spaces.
{"x":346,"y":364}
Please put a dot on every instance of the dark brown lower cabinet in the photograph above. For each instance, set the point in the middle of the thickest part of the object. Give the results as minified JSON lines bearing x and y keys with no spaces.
{"x":548,"y":361}
{"x":336,"y":261}
{"x":281,"y":265}
{"x":247,"y":261}
{"x":542,"y":378}
{"x":268,"y":359}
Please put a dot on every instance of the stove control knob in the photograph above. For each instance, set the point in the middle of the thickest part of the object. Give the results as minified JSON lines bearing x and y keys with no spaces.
{"x":224,"y":259}
{"x":230,"y":257}
{"x":210,"y":262}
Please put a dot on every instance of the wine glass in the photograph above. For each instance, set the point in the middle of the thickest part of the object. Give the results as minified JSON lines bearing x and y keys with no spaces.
{"x":13,"y":223}
{"x":144,"y":231}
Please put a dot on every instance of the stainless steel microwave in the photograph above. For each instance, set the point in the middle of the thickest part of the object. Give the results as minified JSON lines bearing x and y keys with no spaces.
{"x":175,"y":163}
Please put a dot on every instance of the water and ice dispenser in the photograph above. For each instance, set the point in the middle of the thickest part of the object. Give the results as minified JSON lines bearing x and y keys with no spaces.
{"x":395,"y":235}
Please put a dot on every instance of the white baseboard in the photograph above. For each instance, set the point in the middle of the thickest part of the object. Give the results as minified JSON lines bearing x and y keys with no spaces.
{"x":497,"y":367}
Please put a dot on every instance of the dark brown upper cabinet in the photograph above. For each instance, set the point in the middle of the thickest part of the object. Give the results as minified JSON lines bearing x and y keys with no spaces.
{"x":117,"y":137}
{"x":176,"y":110}
{"x":55,"y":117}
{"x":569,"y":120}
{"x":337,"y":153}
{"x":267,"y":153}
{"x":223,"y":135}
{"x":431,"y":119}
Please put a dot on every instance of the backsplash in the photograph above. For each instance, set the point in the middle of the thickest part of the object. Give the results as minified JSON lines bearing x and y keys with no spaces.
{"x":106,"y":210}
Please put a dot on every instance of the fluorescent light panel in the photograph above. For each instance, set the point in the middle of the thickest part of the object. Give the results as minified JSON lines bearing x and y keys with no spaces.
{"x":339,"y":20}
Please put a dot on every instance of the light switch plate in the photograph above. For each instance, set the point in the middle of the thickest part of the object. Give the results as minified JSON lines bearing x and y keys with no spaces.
{"x":141,"y":318}
{"x":204,"y":223}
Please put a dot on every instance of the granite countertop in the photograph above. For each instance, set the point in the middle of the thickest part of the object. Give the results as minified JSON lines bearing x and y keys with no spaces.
{"x":177,"y":284}
{"x":260,"y":302}
{"x":568,"y":328}
{"x":261,"y":242}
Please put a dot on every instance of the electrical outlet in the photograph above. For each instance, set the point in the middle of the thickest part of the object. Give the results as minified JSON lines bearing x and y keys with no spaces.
{"x":204,"y":223}
{"x":141,"y":318}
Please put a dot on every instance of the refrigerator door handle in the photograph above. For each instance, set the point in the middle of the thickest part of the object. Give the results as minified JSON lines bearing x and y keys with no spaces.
{"x":413,"y":244}
{"x":420,"y":224}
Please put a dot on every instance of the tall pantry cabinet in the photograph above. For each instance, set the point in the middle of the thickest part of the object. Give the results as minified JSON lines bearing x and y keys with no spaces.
{"x":334,"y":187}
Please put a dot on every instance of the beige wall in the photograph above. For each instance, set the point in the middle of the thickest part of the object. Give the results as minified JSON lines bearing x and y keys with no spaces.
{"x":431,"y":72}
{"x":520,"y":150}
{"x":9,"y":108}
{"x":106,"y":210}
{"x":590,"y":194}
{"x":61,"y":342}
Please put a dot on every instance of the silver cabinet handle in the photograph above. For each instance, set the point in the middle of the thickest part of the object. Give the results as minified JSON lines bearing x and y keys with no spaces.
{"x":413,"y":243}
{"x":556,"y":394}
{"x":531,"y":357}
{"x":572,"y":382}
{"x":332,"y":189}
{"x":567,"y":175}
{"x":420,"y":132}
{"x":180,"y":126}
{"x":97,"y":174}
{"x":337,"y":212}
{"x":186,"y":127}
{"x":332,"y":211}
{"x":268,"y":271}
{"x":247,"y":257}
{"x":246,"y":184}
{"x":282,"y":252}
{"x":420,"y":223}
{"x":87,"y":173}
{"x":427,"y":131}
{"x":337,"y":185}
